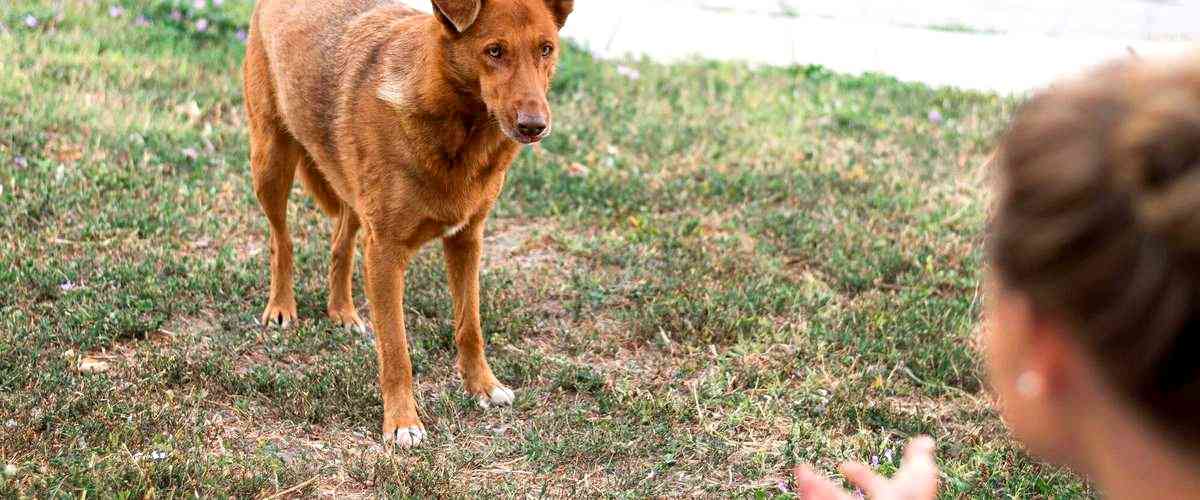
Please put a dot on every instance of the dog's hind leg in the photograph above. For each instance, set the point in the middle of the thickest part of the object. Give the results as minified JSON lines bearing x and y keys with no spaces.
{"x":341,"y":271}
{"x":273,"y":157}
{"x":273,"y":161}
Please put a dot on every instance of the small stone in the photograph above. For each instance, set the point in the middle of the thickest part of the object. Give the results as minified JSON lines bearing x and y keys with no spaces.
{"x":10,"y":470}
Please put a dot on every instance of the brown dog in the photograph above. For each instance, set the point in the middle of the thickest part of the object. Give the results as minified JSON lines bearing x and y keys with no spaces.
{"x":404,"y":123}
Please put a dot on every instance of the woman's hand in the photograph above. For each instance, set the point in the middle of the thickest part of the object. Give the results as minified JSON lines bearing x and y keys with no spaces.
{"x":917,"y":478}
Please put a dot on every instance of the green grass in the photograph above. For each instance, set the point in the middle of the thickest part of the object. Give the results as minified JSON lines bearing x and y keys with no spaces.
{"x":962,"y":28}
{"x":756,"y":267}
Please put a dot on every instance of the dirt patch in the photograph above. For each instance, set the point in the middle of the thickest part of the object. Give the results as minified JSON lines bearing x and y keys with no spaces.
{"x":525,"y":245}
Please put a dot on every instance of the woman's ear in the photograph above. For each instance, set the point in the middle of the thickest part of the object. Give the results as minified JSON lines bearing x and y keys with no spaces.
{"x":457,"y":15}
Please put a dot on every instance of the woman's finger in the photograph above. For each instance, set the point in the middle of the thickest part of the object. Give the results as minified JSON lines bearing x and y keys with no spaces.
{"x":918,"y":476}
{"x":864,"y":478}
{"x":919,"y":451}
{"x":813,"y":486}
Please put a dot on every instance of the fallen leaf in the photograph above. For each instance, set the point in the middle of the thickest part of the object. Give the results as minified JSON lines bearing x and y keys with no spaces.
{"x":577,"y":170}
{"x":92,"y":365}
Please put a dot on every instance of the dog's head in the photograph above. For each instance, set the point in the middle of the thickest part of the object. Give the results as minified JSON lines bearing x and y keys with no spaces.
{"x":506,"y":50}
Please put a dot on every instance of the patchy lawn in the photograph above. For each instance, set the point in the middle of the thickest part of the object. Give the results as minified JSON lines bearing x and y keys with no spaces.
{"x":709,"y":273}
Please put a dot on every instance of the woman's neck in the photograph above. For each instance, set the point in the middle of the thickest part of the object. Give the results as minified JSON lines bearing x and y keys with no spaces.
{"x":1128,"y":459}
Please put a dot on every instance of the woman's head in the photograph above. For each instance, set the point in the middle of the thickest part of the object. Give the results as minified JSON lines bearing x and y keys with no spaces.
{"x":1095,"y":247}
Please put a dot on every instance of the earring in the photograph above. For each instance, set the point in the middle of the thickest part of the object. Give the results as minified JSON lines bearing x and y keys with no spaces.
{"x":1030,"y":385}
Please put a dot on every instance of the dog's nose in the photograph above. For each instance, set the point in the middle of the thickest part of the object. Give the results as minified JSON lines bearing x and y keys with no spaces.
{"x":531,"y":126}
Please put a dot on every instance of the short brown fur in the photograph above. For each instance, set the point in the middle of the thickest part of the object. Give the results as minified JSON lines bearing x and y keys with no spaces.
{"x":402,"y":124}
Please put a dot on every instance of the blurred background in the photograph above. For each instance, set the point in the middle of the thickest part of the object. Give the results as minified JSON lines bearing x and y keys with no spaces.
{"x":997,"y":45}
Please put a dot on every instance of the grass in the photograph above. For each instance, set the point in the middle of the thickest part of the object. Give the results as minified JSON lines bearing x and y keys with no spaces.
{"x":708,"y":274}
{"x":962,"y":28}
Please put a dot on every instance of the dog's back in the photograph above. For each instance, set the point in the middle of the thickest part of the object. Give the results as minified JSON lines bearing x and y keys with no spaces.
{"x":308,"y":46}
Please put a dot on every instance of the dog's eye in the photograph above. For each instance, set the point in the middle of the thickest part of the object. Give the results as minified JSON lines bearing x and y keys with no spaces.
{"x":547,"y":50}
{"x":495,"y":51}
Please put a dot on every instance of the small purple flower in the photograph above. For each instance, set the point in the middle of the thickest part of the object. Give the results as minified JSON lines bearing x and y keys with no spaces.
{"x":176,"y":15}
{"x":21,"y":162}
{"x":116,"y":11}
{"x":30,"y":21}
{"x":200,"y":4}
{"x":241,"y":35}
{"x":782,"y":487}
{"x":202,"y":25}
{"x":141,"y":21}
{"x":68,"y":286}
{"x":218,"y":3}
{"x":935,"y":117}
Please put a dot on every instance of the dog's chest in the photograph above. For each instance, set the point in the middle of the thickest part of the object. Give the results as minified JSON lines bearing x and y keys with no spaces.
{"x":471,"y":184}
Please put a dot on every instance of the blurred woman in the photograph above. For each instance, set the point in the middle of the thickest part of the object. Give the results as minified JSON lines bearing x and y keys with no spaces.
{"x":1093,"y":342}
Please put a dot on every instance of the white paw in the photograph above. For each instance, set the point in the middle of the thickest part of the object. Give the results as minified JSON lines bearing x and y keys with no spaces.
{"x":406,"y":437}
{"x":500,"y":396}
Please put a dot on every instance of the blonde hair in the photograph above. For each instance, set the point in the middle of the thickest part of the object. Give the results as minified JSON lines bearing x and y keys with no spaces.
{"x":1098,"y":221}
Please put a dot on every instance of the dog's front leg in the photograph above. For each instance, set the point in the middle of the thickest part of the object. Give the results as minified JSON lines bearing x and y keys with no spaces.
{"x":462,"y":265}
{"x":385,"y":262}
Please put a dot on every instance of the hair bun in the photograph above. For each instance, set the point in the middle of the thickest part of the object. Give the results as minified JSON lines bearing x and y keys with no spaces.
{"x":1159,"y":164}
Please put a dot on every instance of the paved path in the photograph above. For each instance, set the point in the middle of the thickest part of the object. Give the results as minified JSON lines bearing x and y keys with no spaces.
{"x":1144,"y":19}
{"x":1007,"y":46}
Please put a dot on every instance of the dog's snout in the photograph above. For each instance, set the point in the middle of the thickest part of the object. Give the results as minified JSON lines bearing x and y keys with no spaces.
{"x":531,"y":125}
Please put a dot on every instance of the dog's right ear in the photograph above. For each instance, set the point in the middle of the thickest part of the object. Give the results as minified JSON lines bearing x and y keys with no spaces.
{"x":457,"y":15}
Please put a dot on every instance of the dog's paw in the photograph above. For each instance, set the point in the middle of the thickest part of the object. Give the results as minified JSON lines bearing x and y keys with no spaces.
{"x":281,"y":315}
{"x":405,"y":437}
{"x":498,"y":396}
{"x":349,"y":319}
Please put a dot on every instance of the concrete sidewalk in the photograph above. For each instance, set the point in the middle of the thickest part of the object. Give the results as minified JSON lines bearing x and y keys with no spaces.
{"x":1006,"y":46}
{"x":1137,"y":19}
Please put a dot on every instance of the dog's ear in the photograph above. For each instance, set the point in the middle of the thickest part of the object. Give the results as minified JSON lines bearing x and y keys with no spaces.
{"x":561,"y":9}
{"x":457,"y":15}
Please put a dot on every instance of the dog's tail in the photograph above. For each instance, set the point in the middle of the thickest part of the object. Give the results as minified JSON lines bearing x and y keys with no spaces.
{"x":315,"y":184}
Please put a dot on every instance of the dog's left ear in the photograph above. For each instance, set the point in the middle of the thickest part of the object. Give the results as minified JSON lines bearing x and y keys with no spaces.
{"x":561,"y":9}
{"x":458,"y":15}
